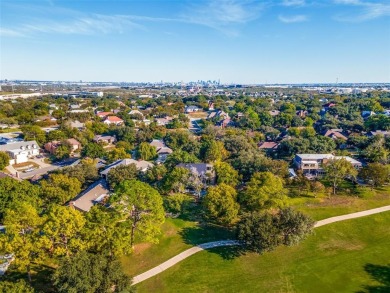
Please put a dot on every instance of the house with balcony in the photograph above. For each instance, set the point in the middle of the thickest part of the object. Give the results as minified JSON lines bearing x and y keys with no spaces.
{"x":312,"y":164}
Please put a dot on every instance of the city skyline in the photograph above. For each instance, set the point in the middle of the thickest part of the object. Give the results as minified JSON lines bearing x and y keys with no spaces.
{"x":245,"y":42}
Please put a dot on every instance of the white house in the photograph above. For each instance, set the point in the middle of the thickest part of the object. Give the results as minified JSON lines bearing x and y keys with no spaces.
{"x":191,"y":109}
{"x":312,"y":163}
{"x":20,"y":152}
{"x":141,"y":165}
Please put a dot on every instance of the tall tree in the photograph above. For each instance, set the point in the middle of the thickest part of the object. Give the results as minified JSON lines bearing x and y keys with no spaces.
{"x":12,"y":191}
{"x":22,"y":235}
{"x":61,"y":231}
{"x":264,"y":191}
{"x":215,"y":151}
{"x":60,"y":188}
{"x":337,"y":170}
{"x":220,"y":204}
{"x":105,"y":233}
{"x":261,"y":232}
{"x":120,"y":173}
{"x":375,"y":174}
{"x":141,"y":206}
{"x":87,"y":273}
{"x":19,"y":286}
{"x":4,"y":160}
{"x":146,"y":152}
{"x":93,"y":150}
{"x":226,"y":174}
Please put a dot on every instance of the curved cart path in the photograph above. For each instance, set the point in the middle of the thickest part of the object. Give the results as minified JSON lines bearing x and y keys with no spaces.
{"x":178,"y":258}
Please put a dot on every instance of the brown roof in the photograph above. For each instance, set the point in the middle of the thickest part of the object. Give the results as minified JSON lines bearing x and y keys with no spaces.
{"x":114,"y":119}
{"x":104,"y":114}
{"x":268,"y":145}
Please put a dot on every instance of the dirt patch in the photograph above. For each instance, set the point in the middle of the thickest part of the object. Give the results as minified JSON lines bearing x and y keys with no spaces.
{"x":141,"y":247}
{"x":335,"y":245}
{"x":334,"y":201}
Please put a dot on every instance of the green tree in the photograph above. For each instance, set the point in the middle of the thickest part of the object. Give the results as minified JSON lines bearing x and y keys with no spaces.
{"x":226,"y":174}
{"x":264,"y":191}
{"x":19,"y":286}
{"x":62,"y":151}
{"x":375,"y":174}
{"x":261,"y":232}
{"x":146,"y":152}
{"x":177,"y":202}
{"x":220,"y":204}
{"x":337,"y":170}
{"x":106,"y":233}
{"x":56,"y":135}
{"x":61,"y":231}
{"x":4,"y":160}
{"x":34,"y":132}
{"x":117,"y":154}
{"x":93,"y":150}
{"x":120,"y":173}
{"x":22,"y":235}
{"x":176,"y":180}
{"x":142,"y":207}
{"x":87,"y":273}
{"x":215,"y":151}
{"x":60,"y":188}
{"x":12,"y":191}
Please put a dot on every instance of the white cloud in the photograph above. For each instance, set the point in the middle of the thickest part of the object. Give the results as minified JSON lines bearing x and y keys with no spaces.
{"x":223,"y":14}
{"x":366,"y":10}
{"x":4,"y":32}
{"x":293,"y":2}
{"x":292,"y":18}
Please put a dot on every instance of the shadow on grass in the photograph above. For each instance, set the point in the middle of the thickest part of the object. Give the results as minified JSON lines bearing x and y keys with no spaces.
{"x":208,"y":233}
{"x":381,"y":274}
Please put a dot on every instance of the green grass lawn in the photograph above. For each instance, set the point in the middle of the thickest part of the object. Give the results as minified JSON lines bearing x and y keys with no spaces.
{"x":341,"y":257}
{"x":179,"y":235}
{"x":326,"y":207}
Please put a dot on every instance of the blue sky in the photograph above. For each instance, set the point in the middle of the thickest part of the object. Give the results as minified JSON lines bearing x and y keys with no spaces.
{"x":243,"y":41}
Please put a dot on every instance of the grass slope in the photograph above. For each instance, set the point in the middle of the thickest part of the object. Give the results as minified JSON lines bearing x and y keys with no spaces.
{"x":341,"y":257}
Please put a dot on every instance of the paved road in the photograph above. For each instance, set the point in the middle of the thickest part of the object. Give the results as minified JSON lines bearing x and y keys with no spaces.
{"x":181,"y":256}
{"x":174,"y":260}
{"x":352,"y":216}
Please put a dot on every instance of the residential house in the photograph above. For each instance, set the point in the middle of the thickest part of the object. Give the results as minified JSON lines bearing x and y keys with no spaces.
{"x":105,"y":139}
{"x":103,"y":115}
{"x":77,"y":124}
{"x":113,"y":120}
{"x":268,"y":146}
{"x":20,"y":152}
{"x":274,"y":112}
{"x":386,"y":112}
{"x":141,"y":165}
{"x":163,"y":121}
{"x":302,"y":113}
{"x":385,"y":133}
{"x":97,"y":193}
{"x":191,"y":109}
{"x":52,"y":146}
{"x":227,"y":122}
{"x":211,"y":106}
{"x":367,"y":114}
{"x":162,"y":150}
{"x":218,"y":114}
{"x":336,"y":134}
{"x":137,"y":112}
{"x":311,"y":164}
{"x":204,"y":170}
